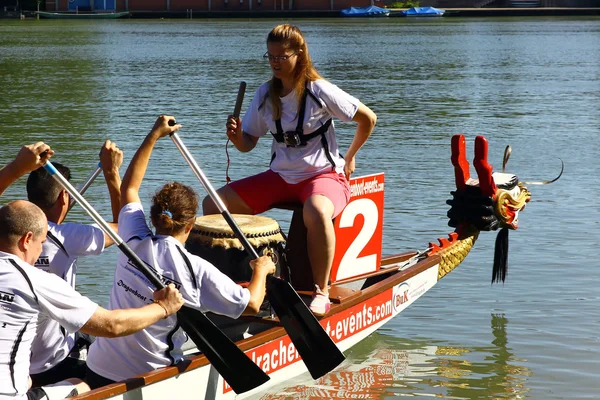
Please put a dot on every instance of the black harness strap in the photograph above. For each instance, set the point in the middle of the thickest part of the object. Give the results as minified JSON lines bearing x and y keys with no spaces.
{"x":22,"y":272}
{"x":280,"y":135}
{"x":57,"y":242}
{"x":327,"y":152}
{"x":188,"y":264}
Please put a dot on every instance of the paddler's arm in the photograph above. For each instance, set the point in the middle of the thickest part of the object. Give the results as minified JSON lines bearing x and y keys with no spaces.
{"x":123,"y":322}
{"x":29,"y":158}
{"x":240,"y":139}
{"x":366,"y":120}
{"x":261,"y":267}
{"x":136,"y":170}
{"x":111,"y":158}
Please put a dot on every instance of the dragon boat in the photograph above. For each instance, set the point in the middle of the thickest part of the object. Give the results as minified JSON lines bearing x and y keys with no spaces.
{"x":367,"y":289}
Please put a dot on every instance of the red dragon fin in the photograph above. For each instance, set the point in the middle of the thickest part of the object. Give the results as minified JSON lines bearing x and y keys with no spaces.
{"x":483,"y":168}
{"x":459,"y":161}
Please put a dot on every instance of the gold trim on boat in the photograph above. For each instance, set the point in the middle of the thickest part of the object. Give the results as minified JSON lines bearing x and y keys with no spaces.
{"x":454,"y":254}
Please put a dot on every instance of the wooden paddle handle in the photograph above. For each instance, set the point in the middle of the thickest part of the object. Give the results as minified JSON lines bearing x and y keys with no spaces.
{"x":239,"y":100}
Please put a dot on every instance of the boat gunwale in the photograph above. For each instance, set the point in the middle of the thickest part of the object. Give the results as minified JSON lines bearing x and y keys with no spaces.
{"x":195,"y":361}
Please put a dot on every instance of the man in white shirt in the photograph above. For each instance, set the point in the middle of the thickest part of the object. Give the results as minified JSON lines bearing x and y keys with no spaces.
{"x":27,"y":292}
{"x":57,"y":355}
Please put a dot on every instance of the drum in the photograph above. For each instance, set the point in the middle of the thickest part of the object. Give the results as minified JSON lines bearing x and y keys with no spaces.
{"x":213,"y":240}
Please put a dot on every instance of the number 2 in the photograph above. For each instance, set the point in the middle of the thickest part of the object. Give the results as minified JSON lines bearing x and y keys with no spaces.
{"x":351,"y":264}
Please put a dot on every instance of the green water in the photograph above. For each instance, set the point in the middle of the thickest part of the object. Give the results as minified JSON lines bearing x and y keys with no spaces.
{"x":532,"y":83}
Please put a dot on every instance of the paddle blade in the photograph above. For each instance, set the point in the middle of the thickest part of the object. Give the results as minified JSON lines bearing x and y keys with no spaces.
{"x":234,"y":366}
{"x":314,"y":345}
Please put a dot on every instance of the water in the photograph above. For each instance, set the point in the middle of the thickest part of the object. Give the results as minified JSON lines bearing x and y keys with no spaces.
{"x":531,"y":83}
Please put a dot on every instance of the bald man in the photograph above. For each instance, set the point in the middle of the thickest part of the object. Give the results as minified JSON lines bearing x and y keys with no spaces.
{"x":57,"y":355}
{"x":26,"y":292}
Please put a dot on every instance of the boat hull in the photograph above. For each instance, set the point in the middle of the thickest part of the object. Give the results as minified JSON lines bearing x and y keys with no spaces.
{"x":351,"y":322}
{"x":361,"y":303}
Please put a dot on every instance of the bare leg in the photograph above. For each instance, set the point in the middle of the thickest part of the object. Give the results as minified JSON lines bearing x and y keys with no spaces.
{"x":230,"y":198}
{"x":65,"y":388}
{"x":318,"y":214}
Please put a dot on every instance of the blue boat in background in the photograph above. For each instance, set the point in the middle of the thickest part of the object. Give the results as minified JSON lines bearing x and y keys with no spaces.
{"x":369,"y":11}
{"x":423,"y":12}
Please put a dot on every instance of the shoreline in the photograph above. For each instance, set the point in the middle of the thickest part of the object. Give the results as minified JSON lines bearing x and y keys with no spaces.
{"x":395,"y":13}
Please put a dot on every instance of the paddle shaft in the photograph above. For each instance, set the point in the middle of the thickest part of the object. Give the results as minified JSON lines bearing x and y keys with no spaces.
{"x":81,"y":189}
{"x":223,"y":354}
{"x":151,"y":275}
{"x":214,"y":195}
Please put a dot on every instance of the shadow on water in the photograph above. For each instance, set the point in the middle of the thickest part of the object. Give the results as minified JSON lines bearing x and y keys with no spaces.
{"x":383,"y":367}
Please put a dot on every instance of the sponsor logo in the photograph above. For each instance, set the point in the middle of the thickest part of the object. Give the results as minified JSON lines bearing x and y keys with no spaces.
{"x":360,"y":317}
{"x":7,"y":297}
{"x":43,"y":263}
{"x":164,"y":279}
{"x":401,"y":296}
{"x":365,"y":186}
{"x":281,"y":353}
{"x":134,"y":292}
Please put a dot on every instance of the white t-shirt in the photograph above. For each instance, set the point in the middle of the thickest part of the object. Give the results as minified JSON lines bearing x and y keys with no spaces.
{"x":25,"y":292}
{"x":204,"y":288}
{"x":64,"y":244}
{"x":296,"y":164}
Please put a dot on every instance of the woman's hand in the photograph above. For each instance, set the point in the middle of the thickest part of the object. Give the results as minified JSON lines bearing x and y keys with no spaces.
{"x":263,"y":265}
{"x":234,"y":129}
{"x":349,"y":166}
{"x":111,"y":157}
{"x":162,"y":127}
{"x":169,"y":298}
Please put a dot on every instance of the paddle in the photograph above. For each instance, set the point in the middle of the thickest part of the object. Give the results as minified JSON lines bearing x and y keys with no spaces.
{"x":314,"y":345}
{"x":236,"y":368}
{"x":86,"y":184}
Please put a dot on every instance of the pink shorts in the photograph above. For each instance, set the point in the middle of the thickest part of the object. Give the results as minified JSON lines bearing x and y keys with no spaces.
{"x":262,"y":191}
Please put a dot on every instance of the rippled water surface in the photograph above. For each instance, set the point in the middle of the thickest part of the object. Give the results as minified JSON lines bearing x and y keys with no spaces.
{"x":531,"y":83}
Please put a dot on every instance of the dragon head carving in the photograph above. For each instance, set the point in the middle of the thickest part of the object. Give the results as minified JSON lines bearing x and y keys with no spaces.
{"x":491,"y":202}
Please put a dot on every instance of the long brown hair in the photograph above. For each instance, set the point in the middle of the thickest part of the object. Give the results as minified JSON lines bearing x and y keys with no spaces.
{"x":173,"y":207}
{"x":290,"y":37}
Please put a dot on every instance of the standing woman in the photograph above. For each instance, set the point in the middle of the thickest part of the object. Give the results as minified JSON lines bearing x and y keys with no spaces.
{"x":296,"y":106}
{"x":202,"y":285}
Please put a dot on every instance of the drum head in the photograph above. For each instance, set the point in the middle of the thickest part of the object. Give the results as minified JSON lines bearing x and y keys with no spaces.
{"x":214,"y":229}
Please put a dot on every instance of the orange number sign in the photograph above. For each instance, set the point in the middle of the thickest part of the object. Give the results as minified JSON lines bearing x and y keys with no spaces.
{"x":359,"y":229}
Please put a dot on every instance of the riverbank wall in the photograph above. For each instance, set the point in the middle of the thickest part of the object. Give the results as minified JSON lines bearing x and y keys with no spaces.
{"x":450,"y":12}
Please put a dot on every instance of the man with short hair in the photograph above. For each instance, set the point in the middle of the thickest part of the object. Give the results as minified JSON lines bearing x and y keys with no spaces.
{"x":27,"y":292}
{"x":57,"y":355}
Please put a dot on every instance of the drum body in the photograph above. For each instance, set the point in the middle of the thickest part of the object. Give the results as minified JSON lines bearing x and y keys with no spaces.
{"x":213,"y":240}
